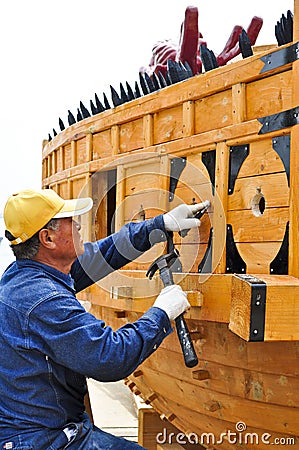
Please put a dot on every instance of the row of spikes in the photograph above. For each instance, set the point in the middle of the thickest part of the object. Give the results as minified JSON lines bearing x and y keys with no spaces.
{"x":284,"y":29}
{"x":176,"y":72}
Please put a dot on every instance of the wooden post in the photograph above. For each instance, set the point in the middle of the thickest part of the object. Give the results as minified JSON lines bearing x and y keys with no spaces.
{"x":148,"y":130}
{"x":220,"y":208}
{"x":294,"y":163}
{"x":188,"y":118}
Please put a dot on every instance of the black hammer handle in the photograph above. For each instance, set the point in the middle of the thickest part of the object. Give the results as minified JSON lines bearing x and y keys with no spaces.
{"x":186,"y":343}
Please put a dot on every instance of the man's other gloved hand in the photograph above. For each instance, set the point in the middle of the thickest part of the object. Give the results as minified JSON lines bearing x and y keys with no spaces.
{"x":172,"y":300}
{"x":182,"y":217}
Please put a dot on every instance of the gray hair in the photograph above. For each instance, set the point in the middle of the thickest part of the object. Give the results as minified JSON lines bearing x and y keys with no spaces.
{"x":30,"y":248}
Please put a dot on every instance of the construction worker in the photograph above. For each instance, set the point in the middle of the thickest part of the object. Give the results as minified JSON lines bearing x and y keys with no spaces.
{"x":49,"y":343}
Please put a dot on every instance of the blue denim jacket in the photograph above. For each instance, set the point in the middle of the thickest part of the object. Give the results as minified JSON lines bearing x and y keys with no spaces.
{"x":49,"y":343}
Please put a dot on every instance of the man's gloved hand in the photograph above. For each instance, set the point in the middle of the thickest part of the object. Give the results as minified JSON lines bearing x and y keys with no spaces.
{"x":172,"y":300}
{"x":182,"y":217}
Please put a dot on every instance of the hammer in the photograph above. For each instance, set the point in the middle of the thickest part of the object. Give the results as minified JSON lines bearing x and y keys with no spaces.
{"x":163,"y":264}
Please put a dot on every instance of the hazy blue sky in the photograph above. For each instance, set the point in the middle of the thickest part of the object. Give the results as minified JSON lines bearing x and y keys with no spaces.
{"x":56,"y":53}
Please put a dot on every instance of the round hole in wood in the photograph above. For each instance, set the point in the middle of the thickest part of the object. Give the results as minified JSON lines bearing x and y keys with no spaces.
{"x":258,"y":203}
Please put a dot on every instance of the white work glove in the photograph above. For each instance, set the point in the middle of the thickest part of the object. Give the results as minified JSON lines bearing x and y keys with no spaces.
{"x":182,"y":217}
{"x":172,"y":300}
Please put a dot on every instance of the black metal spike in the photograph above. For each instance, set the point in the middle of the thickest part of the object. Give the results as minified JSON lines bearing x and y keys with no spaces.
{"x":116,"y":100}
{"x":137,"y":90}
{"x":208,"y":58}
{"x":162,"y":80}
{"x":84,"y":110}
{"x":184,"y":74}
{"x":156,"y":81}
{"x":130,"y":92}
{"x":61,"y":124}
{"x":123,"y":94}
{"x":245,"y":45}
{"x":278,"y":34}
{"x":79,"y":115}
{"x":49,"y":137}
{"x":172,"y":71}
{"x":188,"y":69}
{"x":106,"y":103}
{"x":143,"y":84}
{"x":149,"y":82}
{"x":71,"y":119}
{"x":99,"y":105}
{"x":168,"y":79}
{"x":54,"y":132}
{"x":93,"y":108}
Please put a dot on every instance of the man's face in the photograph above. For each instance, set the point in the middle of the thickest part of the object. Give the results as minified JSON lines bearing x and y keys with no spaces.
{"x":68,"y":238}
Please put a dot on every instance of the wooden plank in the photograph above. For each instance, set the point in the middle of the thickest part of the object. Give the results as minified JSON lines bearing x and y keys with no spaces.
{"x":188,"y":118}
{"x":218,"y":106}
{"x":239,"y":102}
{"x":197,"y":398}
{"x":281,"y":318}
{"x":268,"y":227}
{"x":273,"y":187}
{"x":214,"y":307}
{"x":102,"y":145}
{"x":220,"y":208}
{"x":131,"y":136}
{"x":258,"y":255}
{"x":148,"y":130}
{"x":115,"y":139}
{"x":262,"y":158}
{"x":151,"y":428}
{"x":270,"y":388}
{"x":294,"y":165}
{"x":168,"y":125}
{"x":269,"y":95}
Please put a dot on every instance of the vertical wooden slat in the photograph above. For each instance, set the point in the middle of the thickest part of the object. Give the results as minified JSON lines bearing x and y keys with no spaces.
{"x":120,"y":196}
{"x":220,"y":207}
{"x":115,"y":139}
{"x":294,"y":163}
{"x":188,"y":118}
{"x":89,"y":147}
{"x":164,"y":183}
{"x":148,"y":130}
{"x":73,"y":154}
{"x":239,"y":103}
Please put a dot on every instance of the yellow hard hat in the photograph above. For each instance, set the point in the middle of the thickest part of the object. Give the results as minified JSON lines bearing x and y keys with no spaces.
{"x":27,"y":212}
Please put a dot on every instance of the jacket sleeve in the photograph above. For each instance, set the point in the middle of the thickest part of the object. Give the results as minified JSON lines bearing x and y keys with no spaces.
{"x":60,"y":328}
{"x":103,"y":257}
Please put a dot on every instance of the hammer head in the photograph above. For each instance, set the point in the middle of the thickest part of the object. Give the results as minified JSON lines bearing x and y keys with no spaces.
{"x":162,"y":262}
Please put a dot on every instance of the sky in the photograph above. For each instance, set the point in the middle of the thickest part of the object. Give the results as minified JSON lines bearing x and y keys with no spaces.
{"x":56,"y":53}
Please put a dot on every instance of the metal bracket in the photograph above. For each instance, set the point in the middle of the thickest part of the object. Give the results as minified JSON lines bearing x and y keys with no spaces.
{"x":177,"y":165}
{"x":205,"y":266}
{"x":280,"y":264}
{"x":279,"y":121}
{"x":238,"y":154}
{"x":280,"y":58}
{"x":234,"y":262}
{"x":281,"y":144}
{"x":258,"y":307}
{"x":209,"y":160}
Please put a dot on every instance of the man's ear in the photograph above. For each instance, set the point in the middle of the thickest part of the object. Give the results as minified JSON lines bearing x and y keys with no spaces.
{"x":46,"y":238}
